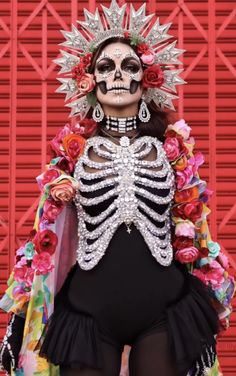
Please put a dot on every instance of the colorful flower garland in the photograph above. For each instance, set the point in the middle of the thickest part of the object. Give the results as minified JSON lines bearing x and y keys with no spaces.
{"x":192,"y":242}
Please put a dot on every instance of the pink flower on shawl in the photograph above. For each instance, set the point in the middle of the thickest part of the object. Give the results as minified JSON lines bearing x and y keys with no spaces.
{"x":185,"y":228}
{"x":63,"y":189}
{"x":223,"y":260}
{"x":216,"y":274}
{"x":181,"y":128}
{"x":196,"y":161}
{"x":212,"y":273}
{"x":42,"y":263}
{"x":171,"y":147}
{"x":183,"y":177}
{"x":200,"y":275}
{"x":23,"y":273}
{"x":205,"y":196}
{"x":186,"y":255}
{"x":51,"y":210}
{"x":56,"y":143}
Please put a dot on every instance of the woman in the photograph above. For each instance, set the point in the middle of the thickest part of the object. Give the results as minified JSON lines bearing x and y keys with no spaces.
{"x":146,"y":272}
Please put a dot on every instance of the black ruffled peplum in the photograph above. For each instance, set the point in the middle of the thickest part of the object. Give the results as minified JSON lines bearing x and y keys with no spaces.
{"x":192,"y":323}
{"x":72,"y":337}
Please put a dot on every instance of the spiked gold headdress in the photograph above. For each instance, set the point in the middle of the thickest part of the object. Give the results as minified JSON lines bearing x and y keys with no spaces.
{"x":117,"y":21}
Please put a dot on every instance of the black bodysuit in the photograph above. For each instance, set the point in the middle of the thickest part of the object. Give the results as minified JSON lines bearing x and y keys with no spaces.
{"x":124,"y":297}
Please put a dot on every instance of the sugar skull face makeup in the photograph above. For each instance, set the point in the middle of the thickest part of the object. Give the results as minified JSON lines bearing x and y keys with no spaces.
{"x":118,"y":73}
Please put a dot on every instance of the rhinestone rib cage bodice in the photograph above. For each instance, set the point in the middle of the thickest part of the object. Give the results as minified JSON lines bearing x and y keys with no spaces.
{"x":126,"y":181}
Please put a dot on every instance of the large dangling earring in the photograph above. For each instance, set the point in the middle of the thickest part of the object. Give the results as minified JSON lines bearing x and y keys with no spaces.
{"x":98,"y":113}
{"x":144,"y":113}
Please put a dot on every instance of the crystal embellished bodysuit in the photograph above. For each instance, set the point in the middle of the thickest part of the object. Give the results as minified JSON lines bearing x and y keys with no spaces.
{"x":126,"y":284}
{"x":123,"y":209}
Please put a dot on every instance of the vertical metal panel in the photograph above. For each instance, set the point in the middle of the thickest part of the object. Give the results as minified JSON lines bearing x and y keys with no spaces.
{"x":31,"y":112}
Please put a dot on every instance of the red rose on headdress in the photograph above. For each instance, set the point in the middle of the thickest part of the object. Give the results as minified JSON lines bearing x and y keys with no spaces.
{"x":45,"y":241}
{"x":86,"y":59}
{"x":153,"y":77}
{"x":78,"y":71}
{"x":143,"y":48}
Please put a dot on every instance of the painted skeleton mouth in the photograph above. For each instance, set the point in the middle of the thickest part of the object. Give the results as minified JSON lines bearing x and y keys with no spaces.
{"x":117,"y":87}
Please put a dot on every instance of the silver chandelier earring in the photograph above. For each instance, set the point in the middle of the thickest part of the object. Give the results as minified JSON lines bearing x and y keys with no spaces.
{"x":98,"y":113}
{"x":144,"y":113}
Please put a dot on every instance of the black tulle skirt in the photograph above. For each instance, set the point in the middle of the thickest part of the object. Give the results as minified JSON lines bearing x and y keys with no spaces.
{"x":72,"y":337}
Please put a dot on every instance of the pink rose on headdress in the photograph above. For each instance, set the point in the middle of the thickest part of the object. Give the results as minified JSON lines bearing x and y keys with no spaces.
{"x":45,"y":241}
{"x":51,"y":210}
{"x":181,"y":128}
{"x":186,"y":255}
{"x":148,"y":59}
{"x":153,"y":77}
{"x":183,"y":177}
{"x":185,"y":228}
{"x":171,"y":147}
{"x":63,"y":189}
{"x":42,"y":263}
{"x":86,"y":83}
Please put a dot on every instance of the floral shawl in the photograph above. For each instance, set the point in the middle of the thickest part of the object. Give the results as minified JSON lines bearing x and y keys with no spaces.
{"x":43,"y":261}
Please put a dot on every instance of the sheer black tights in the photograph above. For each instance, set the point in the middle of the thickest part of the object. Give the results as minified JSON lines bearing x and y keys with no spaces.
{"x":148,"y":357}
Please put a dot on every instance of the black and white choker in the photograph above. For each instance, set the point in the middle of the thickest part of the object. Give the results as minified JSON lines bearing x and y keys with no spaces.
{"x":121,"y":125}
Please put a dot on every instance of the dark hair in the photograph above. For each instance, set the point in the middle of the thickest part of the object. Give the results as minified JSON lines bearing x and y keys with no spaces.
{"x":159,"y":118}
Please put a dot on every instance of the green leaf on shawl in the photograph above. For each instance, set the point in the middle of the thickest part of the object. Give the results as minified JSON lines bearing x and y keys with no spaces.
{"x":39,"y":299}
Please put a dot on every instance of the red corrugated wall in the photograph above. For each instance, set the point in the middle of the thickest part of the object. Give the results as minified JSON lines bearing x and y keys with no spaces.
{"x":31,"y":112}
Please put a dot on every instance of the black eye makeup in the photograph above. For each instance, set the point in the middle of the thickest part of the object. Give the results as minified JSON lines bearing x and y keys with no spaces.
{"x":130,"y":65}
{"x":105,"y":65}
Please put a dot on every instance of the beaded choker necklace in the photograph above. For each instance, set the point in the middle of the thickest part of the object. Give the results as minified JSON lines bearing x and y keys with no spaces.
{"x":121,"y":125}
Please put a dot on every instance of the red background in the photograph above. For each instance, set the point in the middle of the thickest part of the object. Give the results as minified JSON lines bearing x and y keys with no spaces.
{"x":31,"y":113}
